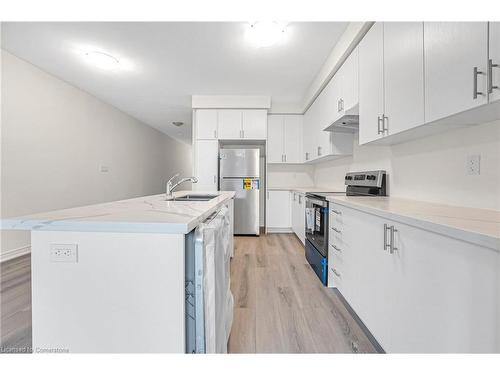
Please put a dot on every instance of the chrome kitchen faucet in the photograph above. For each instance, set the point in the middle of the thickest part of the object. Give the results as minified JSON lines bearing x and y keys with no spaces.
{"x":171,"y":186}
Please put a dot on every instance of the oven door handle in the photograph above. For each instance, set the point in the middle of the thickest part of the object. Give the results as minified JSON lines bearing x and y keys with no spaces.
{"x":316,"y":201}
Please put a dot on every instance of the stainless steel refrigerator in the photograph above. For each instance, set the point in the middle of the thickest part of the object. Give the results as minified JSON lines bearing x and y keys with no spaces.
{"x":239,"y":172}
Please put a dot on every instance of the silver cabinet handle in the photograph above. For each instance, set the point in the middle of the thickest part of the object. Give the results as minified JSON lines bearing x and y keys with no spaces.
{"x":215,"y":179}
{"x":386,"y":245}
{"x":385,"y":120}
{"x":335,"y":272}
{"x":475,"y":73}
{"x":336,"y":212}
{"x":243,"y":133}
{"x":338,"y":105}
{"x":294,"y":197}
{"x":336,"y":248}
{"x":307,"y":156}
{"x":336,"y":230}
{"x":392,"y":247}
{"x":491,"y":87}
{"x":380,"y":130}
{"x":319,"y":150}
{"x":285,"y":157}
{"x":341,"y":104}
{"x":300,"y":199}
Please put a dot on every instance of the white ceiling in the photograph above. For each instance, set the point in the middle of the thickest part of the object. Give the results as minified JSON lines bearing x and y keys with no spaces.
{"x":170,"y":61}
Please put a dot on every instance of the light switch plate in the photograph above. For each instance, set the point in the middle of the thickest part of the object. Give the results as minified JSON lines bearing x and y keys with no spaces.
{"x":473,"y":164}
{"x":64,"y":253}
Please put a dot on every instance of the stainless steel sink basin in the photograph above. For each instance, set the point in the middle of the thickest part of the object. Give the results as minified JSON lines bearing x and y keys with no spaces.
{"x":195,"y":197}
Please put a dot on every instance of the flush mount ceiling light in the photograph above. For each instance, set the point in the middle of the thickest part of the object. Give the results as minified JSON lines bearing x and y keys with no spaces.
{"x":177,"y":123}
{"x":265,"y":33}
{"x":102,"y":60}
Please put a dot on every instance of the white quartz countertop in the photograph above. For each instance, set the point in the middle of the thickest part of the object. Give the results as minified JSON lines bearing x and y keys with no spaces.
{"x":478,"y":226}
{"x":150,"y":214}
{"x":310,"y":189}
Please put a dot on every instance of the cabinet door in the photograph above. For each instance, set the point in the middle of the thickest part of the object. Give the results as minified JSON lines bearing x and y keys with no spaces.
{"x":206,"y":124}
{"x":301,"y":218}
{"x":229,"y":124}
{"x":495,"y":60}
{"x":278,"y":209}
{"x":307,"y":134}
{"x":371,"y":83}
{"x":254,"y":124}
{"x":206,"y":164}
{"x":445,"y":296}
{"x":292,"y":135}
{"x":403,"y":75}
{"x":452,"y":51}
{"x":349,"y":82}
{"x":294,"y":207}
{"x":375,"y":289}
{"x":275,"y":152}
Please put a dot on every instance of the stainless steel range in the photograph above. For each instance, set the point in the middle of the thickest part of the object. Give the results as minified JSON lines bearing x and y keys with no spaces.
{"x":372,"y":183}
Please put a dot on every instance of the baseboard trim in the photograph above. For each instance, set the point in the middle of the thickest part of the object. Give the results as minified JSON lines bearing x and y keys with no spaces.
{"x":279,"y":230}
{"x":14,"y":253}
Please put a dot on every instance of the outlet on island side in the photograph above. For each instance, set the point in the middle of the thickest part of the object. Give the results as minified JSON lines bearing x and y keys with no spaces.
{"x":473,"y":164}
{"x":64,"y":253}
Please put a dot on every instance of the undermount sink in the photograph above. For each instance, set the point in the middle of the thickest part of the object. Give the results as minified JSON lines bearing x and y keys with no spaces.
{"x":195,"y":197}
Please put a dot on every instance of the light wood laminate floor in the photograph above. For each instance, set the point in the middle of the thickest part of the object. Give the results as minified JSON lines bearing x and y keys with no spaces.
{"x":15,"y":305}
{"x":282,"y":307}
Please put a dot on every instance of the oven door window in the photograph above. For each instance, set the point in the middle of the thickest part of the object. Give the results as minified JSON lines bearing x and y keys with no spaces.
{"x":317,"y":226}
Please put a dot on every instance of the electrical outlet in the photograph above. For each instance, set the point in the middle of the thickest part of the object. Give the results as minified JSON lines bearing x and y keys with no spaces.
{"x":473,"y":164}
{"x":103,"y":169}
{"x":64,"y":253}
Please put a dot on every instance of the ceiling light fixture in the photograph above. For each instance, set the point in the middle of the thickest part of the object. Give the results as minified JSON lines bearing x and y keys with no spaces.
{"x":102,"y":60}
{"x":265,"y":33}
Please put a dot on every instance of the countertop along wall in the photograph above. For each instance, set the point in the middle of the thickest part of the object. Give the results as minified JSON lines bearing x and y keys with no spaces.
{"x":430,"y":169}
{"x":55,"y":138}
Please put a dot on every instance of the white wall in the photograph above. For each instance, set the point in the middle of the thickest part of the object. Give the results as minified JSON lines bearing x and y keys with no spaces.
{"x":55,"y":137}
{"x":431,"y":168}
{"x":290,"y":175}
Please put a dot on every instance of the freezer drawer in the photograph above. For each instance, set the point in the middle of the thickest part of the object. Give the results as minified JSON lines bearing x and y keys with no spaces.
{"x":246,"y":205}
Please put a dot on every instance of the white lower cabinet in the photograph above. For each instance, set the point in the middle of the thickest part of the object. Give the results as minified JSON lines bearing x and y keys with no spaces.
{"x":278,"y":211}
{"x":298,"y":215}
{"x":431,"y":294}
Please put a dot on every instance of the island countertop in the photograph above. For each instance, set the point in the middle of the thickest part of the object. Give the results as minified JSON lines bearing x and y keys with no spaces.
{"x":149,"y":214}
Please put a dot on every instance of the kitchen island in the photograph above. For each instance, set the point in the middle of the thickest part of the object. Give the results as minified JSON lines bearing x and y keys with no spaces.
{"x":111,"y":277}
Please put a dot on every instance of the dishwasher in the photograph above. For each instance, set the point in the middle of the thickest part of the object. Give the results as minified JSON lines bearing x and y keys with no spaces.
{"x":209,"y":301}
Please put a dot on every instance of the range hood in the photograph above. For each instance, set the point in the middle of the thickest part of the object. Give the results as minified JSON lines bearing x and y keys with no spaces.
{"x":348,"y":122}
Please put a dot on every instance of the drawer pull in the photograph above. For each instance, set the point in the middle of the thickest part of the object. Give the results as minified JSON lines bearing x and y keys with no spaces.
{"x":336,"y":230}
{"x":336,"y":248}
{"x":335,"y":272}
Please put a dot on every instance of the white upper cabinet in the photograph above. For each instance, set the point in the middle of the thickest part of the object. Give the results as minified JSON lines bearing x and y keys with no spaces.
{"x":275,"y":139}
{"x":206,"y":124}
{"x":242,"y":124}
{"x":371,"y":84}
{"x":403,"y":76}
{"x":494,"y":61}
{"x":346,"y":82}
{"x":229,"y":124}
{"x":292,"y":138}
{"x":456,"y":56}
{"x":206,"y":162}
{"x":284,"y":139}
{"x":254,"y":124}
